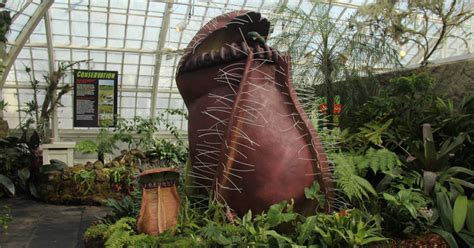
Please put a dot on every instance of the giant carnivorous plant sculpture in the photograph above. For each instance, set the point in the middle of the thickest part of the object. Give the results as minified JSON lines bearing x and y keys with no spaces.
{"x":251,"y":144}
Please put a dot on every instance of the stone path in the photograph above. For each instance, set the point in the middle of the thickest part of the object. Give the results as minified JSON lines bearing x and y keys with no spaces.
{"x":39,"y":225}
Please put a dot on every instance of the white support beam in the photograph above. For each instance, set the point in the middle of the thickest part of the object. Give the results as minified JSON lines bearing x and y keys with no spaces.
{"x":51,"y":62}
{"x":105,"y":49}
{"x":139,"y":67}
{"x":23,"y":37}
{"x":25,"y":85}
{"x":49,"y":42}
{"x":25,"y":5}
{"x":161,"y":45}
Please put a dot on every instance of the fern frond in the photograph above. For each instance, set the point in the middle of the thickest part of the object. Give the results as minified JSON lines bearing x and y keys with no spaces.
{"x":381,"y":160}
{"x":353,"y":185}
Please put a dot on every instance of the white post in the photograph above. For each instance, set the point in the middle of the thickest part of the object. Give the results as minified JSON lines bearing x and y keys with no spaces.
{"x":161,"y":45}
{"x":54,"y":97}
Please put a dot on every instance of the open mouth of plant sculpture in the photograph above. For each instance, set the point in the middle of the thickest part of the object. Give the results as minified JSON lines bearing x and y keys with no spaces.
{"x":251,"y":143}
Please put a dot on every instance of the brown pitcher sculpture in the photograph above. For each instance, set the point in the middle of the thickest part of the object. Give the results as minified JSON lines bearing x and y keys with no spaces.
{"x":160,"y":200}
{"x":251,"y":143}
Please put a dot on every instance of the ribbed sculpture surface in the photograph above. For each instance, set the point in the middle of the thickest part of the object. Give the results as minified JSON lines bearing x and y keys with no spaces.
{"x":250,"y":141}
{"x":160,"y":201}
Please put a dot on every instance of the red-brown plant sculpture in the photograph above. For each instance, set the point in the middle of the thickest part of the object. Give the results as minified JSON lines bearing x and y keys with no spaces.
{"x":251,"y":143}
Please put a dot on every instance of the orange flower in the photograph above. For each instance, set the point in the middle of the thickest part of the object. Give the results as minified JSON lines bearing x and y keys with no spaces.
{"x":344,"y":212}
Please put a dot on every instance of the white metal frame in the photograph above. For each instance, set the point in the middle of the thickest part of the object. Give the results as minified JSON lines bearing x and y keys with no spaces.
{"x":161,"y":44}
{"x":23,"y":37}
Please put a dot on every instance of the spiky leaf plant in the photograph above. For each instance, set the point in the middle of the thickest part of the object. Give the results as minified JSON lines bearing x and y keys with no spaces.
{"x":325,"y":51}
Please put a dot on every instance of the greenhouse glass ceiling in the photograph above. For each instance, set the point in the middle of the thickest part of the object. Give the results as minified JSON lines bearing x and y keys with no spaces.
{"x":138,"y":38}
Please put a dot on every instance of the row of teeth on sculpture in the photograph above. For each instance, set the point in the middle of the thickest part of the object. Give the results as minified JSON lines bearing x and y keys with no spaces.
{"x":229,"y":53}
{"x":167,"y":183}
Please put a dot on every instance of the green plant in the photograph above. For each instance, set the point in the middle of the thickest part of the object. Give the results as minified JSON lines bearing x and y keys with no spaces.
{"x":119,"y":174}
{"x":384,"y":124}
{"x":104,"y":143}
{"x":379,"y":124}
{"x":470,"y":216}
{"x":435,"y":163}
{"x":373,"y":133}
{"x":140,"y":132}
{"x":5,"y":22}
{"x":314,"y":193}
{"x":86,"y":146}
{"x":95,"y":231}
{"x":214,"y":225}
{"x":350,"y":170}
{"x":7,"y":184}
{"x":118,"y":234}
{"x":326,"y":52}
{"x":350,"y":227}
{"x":18,"y":163}
{"x":454,"y":227}
{"x":54,"y":165}
{"x":127,"y":206}
{"x":450,"y":120}
{"x":137,"y":133}
{"x":353,"y":186}
{"x":40,"y":114}
{"x":3,"y":105}
{"x":122,"y":234}
{"x":84,"y":180}
{"x":170,"y":153}
{"x":406,"y":212}
{"x":5,"y":218}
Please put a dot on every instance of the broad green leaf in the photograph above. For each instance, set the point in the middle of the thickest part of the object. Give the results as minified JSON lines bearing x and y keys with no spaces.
{"x":312,"y":192}
{"x":470,"y":216}
{"x":453,"y":171}
{"x":445,"y":151}
{"x":373,"y":239}
{"x":33,"y":190}
{"x":467,"y":237}
{"x":24,"y":174}
{"x":390,"y":198}
{"x":447,"y":236}
{"x":459,"y":182}
{"x":445,"y":210}
{"x":306,"y":229}
{"x":282,"y":240}
{"x":277,"y":214}
{"x":430,"y":148}
{"x":58,"y":163}
{"x":459,"y":212}
{"x":46,"y":168}
{"x":8,"y":184}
